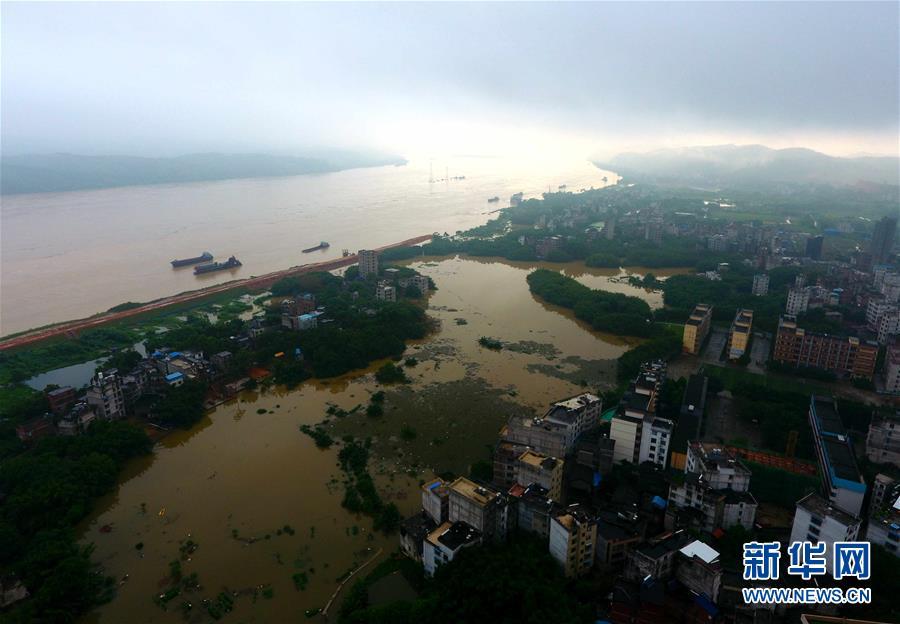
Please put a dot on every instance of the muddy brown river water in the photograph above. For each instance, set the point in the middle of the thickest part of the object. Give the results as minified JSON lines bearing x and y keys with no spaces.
{"x":230,"y":483}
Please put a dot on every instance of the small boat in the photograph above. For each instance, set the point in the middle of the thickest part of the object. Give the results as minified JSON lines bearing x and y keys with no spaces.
{"x":563,"y":187}
{"x":231,"y":263}
{"x":493,"y":199}
{"x":322,"y":245}
{"x":204,"y":257}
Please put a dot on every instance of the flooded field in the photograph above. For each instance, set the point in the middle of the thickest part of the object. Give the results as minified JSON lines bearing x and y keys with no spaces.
{"x":262,"y":503}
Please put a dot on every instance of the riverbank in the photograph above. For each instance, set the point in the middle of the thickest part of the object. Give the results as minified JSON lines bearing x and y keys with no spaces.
{"x":252,"y":284}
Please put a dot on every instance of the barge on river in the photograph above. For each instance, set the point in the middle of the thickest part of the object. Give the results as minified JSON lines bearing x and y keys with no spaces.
{"x":204,"y":257}
{"x":231,"y":263}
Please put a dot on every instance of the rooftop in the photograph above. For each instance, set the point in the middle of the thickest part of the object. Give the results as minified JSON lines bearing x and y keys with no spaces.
{"x":841,"y":459}
{"x":472,"y":491}
{"x":665,"y":544}
{"x":454,"y":535}
{"x":700,"y":550}
{"x":538,"y":460}
{"x":815,"y":504}
{"x":825,"y":411}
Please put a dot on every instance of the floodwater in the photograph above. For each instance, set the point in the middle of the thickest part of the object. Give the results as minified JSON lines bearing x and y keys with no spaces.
{"x":76,"y":375}
{"x":242,"y":474}
{"x":70,"y":255}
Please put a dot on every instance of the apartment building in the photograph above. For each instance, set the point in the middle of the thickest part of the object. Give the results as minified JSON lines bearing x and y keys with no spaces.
{"x":797,"y":347}
{"x":817,"y":520}
{"x":842,"y":482}
{"x":385,"y":291}
{"x":419,"y":282}
{"x":105,"y":395}
{"x":716,"y":484}
{"x":555,"y":433}
{"x":533,"y":508}
{"x":533,"y":467}
{"x":797,"y":300}
{"x":883,"y":439}
{"x":760,"y":284}
{"x":368,"y":262}
{"x":884,"y":520}
{"x":436,"y":500}
{"x":478,"y":506}
{"x":639,"y":434}
{"x":892,"y":369}
{"x":573,"y":536}
{"x":696,"y":329}
{"x":445,"y":542}
{"x":739,"y":335}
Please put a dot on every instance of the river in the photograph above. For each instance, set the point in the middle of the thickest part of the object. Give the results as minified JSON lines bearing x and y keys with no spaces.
{"x":70,"y":255}
{"x":243,"y":474}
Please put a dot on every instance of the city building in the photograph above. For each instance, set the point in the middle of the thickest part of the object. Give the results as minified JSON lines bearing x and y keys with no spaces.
{"x":717,"y":484}
{"x":656,"y":558}
{"x":617,"y":533}
{"x":61,"y":399}
{"x":845,"y":355}
{"x":478,"y":506}
{"x":384,"y":291}
{"x":878,"y":307}
{"x":892,"y":369}
{"x":697,"y":567}
{"x":817,"y":520}
{"x":35,"y":429}
{"x":656,"y":433}
{"x":436,"y":500}
{"x":638,"y":433}
{"x":533,"y":508}
{"x":882,"y":242}
{"x":842,"y":482}
{"x":760,"y":284}
{"x":739,"y":336}
{"x":884,"y":521}
{"x":797,"y":300}
{"x":77,"y":420}
{"x":419,"y":282}
{"x":533,"y":467}
{"x":413,"y":533}
{"x":814,"y":246}
{"x":690,"y":418}
{"x":882,"y":487}
{"x":445,"y":542}
{"x":105,"y":395}
{"x":696,"y":329}
{"x":573,"y":536}
{"x":883,"y":439}
{"x":368,"y":262}
{"x":554,"y":434}
{"x":889,"y":327}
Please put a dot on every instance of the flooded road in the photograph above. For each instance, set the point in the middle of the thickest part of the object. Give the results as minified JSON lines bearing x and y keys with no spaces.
{"x":70,"y":255}
{"x":235,"y":481}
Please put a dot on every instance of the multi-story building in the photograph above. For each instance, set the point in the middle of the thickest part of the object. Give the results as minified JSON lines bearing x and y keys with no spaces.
{"x":877,"y":308}
{"x":480,"y":507}
{"x":814,"y":247}
{"x":533,"y":467}
{"x":717,"y":484}
{"x":883,"y":440}
{"x":739,"y":336}
{"x":884,"y":519}
{"x":436,"y":500}
{"x":889,"y":327}
{"x":656,"y":433}
{"x":368,"y":262}
{"x":105,"y":395}
{"x":554,"y":433}
{"x":687,"y":427}
{"x":533,"y":509}
{"x":639,"y":434}
{"x":760,"y":284}
{"x":842,"y":482}
{"x":61,"y":399}
{"x":617,"y":533}
{"x":882,"y":242}
{"x":797,"y":300}
{"x":573,"y":536}
{"x":817,"y":520}
{"x":892,"y":369}
{"x":385,"y":291}
{"x":656,"y":558}
{"x":882,"y":487}
{"x":77,"y":420}
{"x":697,"y":567}
{"x":445,"y":542}
{"x":696,"y":329}
{"x":717,"y":243}
{"x":419,"y":282}
{"x":846,"y":355}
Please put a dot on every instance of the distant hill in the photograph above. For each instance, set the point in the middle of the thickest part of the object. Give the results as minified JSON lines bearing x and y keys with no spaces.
{"x":752,"y":166}
{"x":42,"y":173}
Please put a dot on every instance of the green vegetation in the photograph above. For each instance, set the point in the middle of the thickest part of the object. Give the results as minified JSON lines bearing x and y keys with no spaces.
{"x":492,"y":583}
{"x":182,"y":406}
{"x":48,"y":490}
{"x":320,"y":437}
{"x":605,"y":311}
{"x":360,"y":495}
{"x":390,"y":373}
{"x":490,"y":343}
{"x":780,"y":487}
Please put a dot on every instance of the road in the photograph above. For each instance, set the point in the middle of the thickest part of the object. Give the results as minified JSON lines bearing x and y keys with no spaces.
{"x":252,"y":283}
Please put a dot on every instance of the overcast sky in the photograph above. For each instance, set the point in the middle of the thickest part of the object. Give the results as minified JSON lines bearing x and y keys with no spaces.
{"x":165,"y":79}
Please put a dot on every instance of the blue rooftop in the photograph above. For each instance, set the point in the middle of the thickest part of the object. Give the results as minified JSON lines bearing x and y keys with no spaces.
{"x":174,"y":376}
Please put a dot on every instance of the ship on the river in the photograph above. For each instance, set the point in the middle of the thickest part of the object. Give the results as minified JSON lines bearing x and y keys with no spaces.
{"x":493,"y":199}
{"x":204,"y":257}
{"x":231,"y":263}
{"x":322,"y":245}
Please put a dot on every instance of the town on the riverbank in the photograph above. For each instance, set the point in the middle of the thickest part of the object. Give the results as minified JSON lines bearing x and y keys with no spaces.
{"x":757,"y":404}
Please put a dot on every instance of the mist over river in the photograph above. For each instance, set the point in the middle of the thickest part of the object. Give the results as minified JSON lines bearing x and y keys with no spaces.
{"x":70,"y":255}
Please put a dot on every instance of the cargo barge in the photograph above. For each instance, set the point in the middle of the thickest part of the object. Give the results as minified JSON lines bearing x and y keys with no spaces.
{"x":322,"y":245}
{"x":204,"y":257}
{"x":231,"y":263}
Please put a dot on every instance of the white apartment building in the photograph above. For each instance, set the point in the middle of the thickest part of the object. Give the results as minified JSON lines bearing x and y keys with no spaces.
{"x":656,"y":433}
{"x":105,"y":395}
{"x":445,"y":542}
{"x":760,"y":284}
{"x":386,"y":292}
{"x":797,"y":301}
{"x":817,"y":520}
{"x":892,"y":370}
